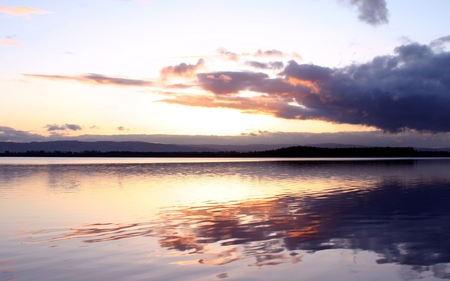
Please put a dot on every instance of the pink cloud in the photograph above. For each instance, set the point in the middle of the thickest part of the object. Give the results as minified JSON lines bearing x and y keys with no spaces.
{"x":277,"y":54}
{"x":181,"y":70}
{"x":9,"y":41}
{"x":227,"y":55}
{"x":97,"y":79}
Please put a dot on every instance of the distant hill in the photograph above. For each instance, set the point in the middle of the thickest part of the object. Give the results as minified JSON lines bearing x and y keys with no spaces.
{"x":432,"y":149}
{"x":138,"y":146}
{"x":101,"y":146}
{"x":133,"y":146}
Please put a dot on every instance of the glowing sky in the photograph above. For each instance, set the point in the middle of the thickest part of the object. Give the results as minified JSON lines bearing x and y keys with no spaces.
{"x":193,"y":67}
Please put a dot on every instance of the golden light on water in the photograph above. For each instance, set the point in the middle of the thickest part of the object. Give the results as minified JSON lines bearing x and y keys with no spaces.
{"x":231,"y":216}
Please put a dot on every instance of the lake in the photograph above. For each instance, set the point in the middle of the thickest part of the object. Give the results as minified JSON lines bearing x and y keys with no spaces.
{"x":224,"y":219}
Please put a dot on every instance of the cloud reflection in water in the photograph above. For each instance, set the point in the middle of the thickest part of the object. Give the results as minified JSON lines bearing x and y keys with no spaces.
{"x":404,"y":219}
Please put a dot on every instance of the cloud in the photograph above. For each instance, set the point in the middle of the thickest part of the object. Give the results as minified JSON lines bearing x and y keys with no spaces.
{"x":373,"y":12}
{"x":73,"y":127}
{"x":178,"y":86}
{"x":231,"y":56}
{"x":439,"y":44}
{"x":8,"y":134}
{"x":228,"y":55}
{"x":96,"y":79}
{"x":409,"y":90}
{"x":9,"y":41}
{"x":64,"y":127}
{"x":122,"y":128}
{"x":276,"y":54}
{"x":181,"y":70}
{"x":263,"y":65}
{"x":260,"y":105}
{"x":228,"y":81}
{"x":269,"y":53}
{"x":372,"y":138}
{"x":21,"y":11}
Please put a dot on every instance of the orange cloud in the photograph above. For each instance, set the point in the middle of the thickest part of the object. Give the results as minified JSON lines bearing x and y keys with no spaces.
{"x":222,"y":77}
{"x":395,"y":93}
{"x":96,"y":79}
{"x":256,"y":105}
{"x":295,"y":81}
{"x":21,"y":11}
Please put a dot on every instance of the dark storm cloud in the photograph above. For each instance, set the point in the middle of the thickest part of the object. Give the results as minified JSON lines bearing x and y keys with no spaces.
{"x":278,"y":87}
{"x":64,"y":127}
{"x":307,"y":72}
{"x":373,"y":12}
{"x":229,"y":82}
{"x":97,"y":79}
{"x":409,"y":90}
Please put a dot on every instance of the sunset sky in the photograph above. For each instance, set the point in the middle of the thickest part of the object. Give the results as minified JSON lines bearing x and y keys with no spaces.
{"x":225,"y":68}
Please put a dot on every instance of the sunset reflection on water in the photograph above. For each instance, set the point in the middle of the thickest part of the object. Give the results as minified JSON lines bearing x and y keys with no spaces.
{"x":223,"y":220}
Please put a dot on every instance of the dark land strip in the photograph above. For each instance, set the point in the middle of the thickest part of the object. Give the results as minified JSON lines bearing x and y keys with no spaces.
{"x":293,"y":151}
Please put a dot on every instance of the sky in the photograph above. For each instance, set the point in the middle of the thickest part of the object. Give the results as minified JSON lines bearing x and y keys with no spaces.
{"x":137,"y":68}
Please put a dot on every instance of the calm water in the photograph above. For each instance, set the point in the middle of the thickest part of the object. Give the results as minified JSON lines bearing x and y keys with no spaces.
{"x":73,"y":219}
